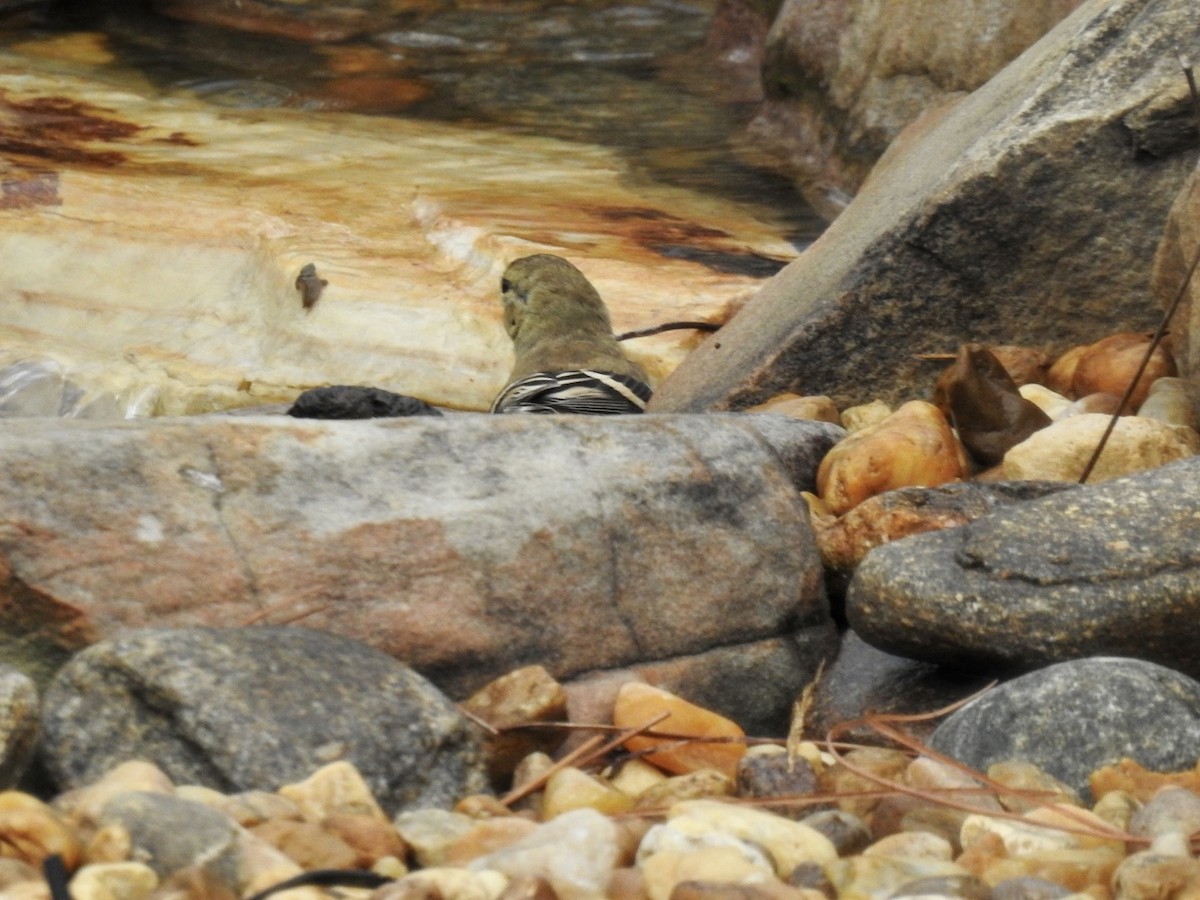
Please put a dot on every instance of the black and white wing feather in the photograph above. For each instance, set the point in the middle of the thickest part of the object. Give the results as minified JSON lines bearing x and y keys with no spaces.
{"x":579,"y":391}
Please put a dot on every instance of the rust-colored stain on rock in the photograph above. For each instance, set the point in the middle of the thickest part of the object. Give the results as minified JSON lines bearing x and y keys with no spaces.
{"x":178,"y":139}
{"x":656,"y":226}
{"x":56,"y":129}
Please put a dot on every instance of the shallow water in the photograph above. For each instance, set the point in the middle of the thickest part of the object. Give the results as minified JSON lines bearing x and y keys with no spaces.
{"x":634,"y":76}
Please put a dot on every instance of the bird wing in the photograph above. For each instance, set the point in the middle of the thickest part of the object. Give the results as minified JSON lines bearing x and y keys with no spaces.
{"x":579,"y":391}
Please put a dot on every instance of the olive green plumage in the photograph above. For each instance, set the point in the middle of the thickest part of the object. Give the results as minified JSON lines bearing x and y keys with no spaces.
{"x":567,"y":359}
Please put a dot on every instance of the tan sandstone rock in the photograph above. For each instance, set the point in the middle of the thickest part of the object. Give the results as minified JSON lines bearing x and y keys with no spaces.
{"x":913,"y":446}
{"x":1060,"y":451}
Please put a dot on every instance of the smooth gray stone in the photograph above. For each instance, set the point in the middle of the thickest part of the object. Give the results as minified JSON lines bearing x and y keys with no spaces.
{"x":169,"y":834}
{"x":255,"y":708}
{"x":1107,"y":569}
{"x":1075,"y":717}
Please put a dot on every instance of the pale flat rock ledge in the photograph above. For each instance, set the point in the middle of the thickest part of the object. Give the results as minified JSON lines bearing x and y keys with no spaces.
{"x":1107,"y":569}
{"x":151,"y":245}
{"x":465,"y":546}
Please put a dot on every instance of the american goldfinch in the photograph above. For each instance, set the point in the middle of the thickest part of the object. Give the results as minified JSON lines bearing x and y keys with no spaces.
{"x":567,"y":360}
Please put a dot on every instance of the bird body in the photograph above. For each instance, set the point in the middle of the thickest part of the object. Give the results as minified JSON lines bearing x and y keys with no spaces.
{"x":567,"y":359}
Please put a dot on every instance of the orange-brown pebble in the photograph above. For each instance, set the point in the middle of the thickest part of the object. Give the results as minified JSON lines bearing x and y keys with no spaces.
{"x":1062,"y":371}
{"x":979,"y":856}
{"x":487,"y":836}
{"x":1025,"y":365}
{"x":913,"y":446}
{"x":357,"y":59}
{"x":1105,"y":404}
{"x":639,"y":704}
{"x":626,"y":884}
{"x":1139,"y":782}
{"x":881,"y":762}
{"x":1076,"y":870}
{"x":367,"y":836}
{"x":570,"y":788}
{"x":32,"y":831}
{"x":309,"y":845}
{"x":1109,"y":365}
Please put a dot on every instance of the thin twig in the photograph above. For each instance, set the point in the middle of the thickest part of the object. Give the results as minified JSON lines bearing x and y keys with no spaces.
{"x":1166,"y":319}
{"x":593,"y":747}
{"x":936,"y":795}
{"x":294,"y":617}
{"x":668,"y":326}
{"x":583,"y":750}
{"x":487,"y":726}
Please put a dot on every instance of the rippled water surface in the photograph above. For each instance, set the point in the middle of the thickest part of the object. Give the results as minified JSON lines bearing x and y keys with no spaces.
{"x":634,"y":76}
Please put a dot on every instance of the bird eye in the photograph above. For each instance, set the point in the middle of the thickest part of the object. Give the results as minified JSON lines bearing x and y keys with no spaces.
{"x":505,"y":285}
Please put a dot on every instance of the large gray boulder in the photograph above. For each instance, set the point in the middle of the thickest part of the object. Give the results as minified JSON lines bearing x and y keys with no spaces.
{"x":465,"y":546}
{"x":1107,"y":569}
{"x":1028,"y":211}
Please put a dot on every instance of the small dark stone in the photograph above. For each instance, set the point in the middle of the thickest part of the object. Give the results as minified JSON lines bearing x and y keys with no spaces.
{"x":982,"y":402}
{"x":341,"y":401}
{"x":811,"y":876}
{"x":847,"y":832}
{"x":310,"y":285}
{"x":865,"y":680}
{"x":776,"y":775}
